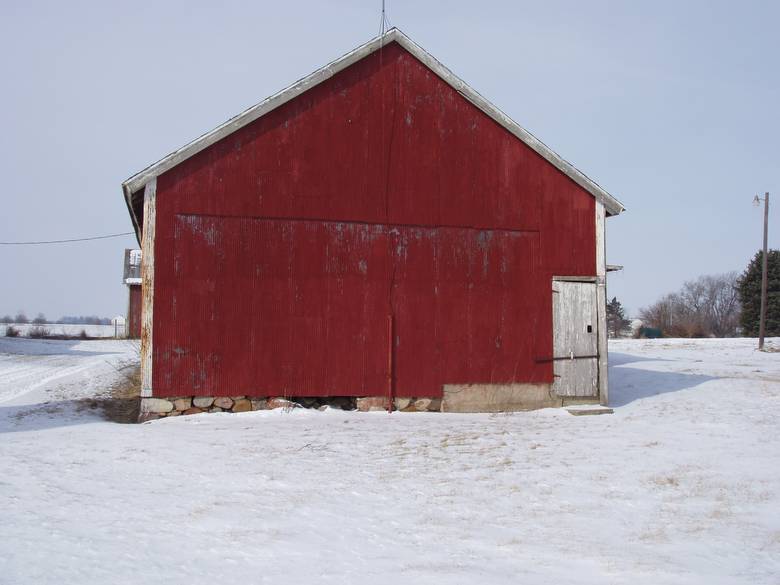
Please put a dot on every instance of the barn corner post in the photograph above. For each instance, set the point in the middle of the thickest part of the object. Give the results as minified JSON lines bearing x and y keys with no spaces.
{"x":601,"y":302}
{"x":147,"y":290}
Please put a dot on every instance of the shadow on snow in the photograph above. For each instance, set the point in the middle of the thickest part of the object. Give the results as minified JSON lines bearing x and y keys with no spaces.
{"x":626,"y":385}
{"x":629,"y":384}
{"x":49,"y":415}
{"x":46,"y":347}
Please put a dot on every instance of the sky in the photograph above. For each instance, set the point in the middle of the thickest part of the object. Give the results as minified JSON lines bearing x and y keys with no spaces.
{"x":672,"y":107}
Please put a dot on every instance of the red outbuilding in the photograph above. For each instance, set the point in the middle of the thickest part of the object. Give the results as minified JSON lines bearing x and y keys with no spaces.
{"x":378,"y":229}
{"x":132,"y":279}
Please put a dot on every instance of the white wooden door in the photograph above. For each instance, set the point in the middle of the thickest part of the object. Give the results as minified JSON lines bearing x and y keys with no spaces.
{"x":575,"y":335}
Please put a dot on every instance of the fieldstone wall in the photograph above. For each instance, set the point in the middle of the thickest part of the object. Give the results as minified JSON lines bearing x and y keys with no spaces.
{"x":154,"y":408}
{"x":372,"y":403}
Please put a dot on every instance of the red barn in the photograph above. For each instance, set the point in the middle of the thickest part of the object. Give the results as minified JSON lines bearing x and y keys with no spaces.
{"x":380,"y":230}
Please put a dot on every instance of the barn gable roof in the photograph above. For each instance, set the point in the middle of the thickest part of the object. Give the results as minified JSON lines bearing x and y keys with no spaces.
{"x":135,"y":183}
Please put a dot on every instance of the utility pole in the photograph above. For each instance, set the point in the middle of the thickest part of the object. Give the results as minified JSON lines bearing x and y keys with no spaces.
{"x":762,"y":314}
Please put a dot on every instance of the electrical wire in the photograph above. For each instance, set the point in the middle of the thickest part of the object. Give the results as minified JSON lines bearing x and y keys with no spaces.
{"x":66,"y":241}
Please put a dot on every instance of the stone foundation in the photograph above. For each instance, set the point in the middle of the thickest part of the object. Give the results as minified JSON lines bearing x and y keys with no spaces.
{"x":374,"y":403}
{"x":154,"y":408}
{"x":457,"y":398}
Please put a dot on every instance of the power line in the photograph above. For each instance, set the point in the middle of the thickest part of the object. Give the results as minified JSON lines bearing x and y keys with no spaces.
{"x":67,"y":241}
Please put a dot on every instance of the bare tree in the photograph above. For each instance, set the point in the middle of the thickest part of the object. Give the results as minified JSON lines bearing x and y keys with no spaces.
{"x":722,"y":308}
{"x":705,"y":307}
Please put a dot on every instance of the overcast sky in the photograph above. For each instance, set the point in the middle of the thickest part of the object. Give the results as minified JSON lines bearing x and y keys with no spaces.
{"x":670,"y":106}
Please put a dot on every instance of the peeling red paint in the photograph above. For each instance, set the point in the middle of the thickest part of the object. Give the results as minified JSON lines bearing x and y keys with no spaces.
{"x":281,"y":250}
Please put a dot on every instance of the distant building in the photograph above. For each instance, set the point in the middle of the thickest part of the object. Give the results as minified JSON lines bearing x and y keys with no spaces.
{"x":119,"y":324}
{"x":132,"y":278}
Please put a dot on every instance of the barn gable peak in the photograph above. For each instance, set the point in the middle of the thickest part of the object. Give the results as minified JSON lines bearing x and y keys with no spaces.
{"x":134,"y":185}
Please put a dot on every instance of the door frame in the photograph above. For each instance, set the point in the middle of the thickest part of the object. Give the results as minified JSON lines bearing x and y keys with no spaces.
{"x":601,"y":328}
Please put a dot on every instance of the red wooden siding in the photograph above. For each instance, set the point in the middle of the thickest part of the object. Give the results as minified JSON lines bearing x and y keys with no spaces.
{"x":281,"y":249}
{"x":134,"y":311}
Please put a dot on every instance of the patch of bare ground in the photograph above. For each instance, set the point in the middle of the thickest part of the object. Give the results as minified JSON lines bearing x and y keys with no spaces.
{"x":120,"y":404}
{"x":123,"y":402}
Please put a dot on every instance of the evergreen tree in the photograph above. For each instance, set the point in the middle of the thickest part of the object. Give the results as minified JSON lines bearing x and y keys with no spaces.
{"x":616,"y":318}
{"x":750,"y":295}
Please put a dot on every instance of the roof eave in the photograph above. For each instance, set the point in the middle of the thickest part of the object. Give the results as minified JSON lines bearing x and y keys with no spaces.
{"x":612,"y":205}
{"x":253,"y":113}
{"x":128,"y":194}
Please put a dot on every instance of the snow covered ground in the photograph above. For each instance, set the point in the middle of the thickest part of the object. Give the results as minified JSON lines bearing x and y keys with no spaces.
{"x":680,"y":485}
{"x":44,"y":371}
{"x":68,"y":329}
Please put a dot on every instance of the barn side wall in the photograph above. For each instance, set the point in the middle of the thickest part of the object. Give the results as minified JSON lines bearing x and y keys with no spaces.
{"x":376,"y":235}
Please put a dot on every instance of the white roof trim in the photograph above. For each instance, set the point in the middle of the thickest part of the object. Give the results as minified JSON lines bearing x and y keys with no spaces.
{"x":137,"y":181}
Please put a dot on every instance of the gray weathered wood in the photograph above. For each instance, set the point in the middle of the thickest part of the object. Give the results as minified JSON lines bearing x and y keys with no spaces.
{"x":590,"y":411}
{"x":147,"y":287}
{"x":574,"y":310}
{"x":601,"y":303}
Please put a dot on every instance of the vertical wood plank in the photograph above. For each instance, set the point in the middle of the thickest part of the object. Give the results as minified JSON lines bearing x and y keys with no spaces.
{"x":147,"y":284}
{"x":601,"y":298}
{"x":574,"y":311}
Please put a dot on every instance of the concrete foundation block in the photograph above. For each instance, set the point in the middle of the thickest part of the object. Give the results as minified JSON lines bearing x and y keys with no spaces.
{"x":589,"y":410}
{"x":498,"y":397}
